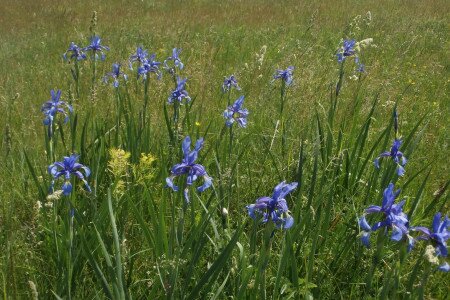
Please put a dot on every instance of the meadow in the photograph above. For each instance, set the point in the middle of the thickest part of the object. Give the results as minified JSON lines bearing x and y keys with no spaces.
{"x":155,"y":213}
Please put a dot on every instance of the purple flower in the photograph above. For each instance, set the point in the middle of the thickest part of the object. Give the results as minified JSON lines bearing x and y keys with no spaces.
{"x":360,"y":67}
{"x":179,"y":93}
{"x":445,"y":267}
{"x":229,"y":83}
{"x":439,"y":234}
{"x":347,"y":49}
{"x":190,"y":168}
{"x":140,"y":56}
{"x":66,"y":169}
{"x":274,"y":208}
{"x":115,"y":74}
{"x":96,"y":47}
{"x":149,"y":65}
{"x":393,"y":218}
{"x":396,"y":155}
{"x":285,"y":75}
{"x":176,"y":61}
{"x":235,"y":113}
{"x":54,"y":106}
{"x":75,"y":52}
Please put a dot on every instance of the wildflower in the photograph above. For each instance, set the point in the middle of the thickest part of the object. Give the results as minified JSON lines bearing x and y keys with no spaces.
{"x":140,"y":56}
{"x":359,"y":66}
{"x":285,"y":75}
{"x":190,"y":168}
{"x":118,"y":163}
{"x":96,"y":47}
{"x":396,"y":155}
{"x":75,"y":52}
{"x":224,"y":212}
{"x":179,"y":93}
{"x":438,"y":236}
{"x":235,"y":113}
{"x":149,"y":65}
{"x":274,"y":208}
{"x":363,"y":44}
{"x":145,"y":170}
{"x":230,"y":82}
{"x":347,"y":49}
{"x":115,"y":74}
{"x":56,"y":195}
{"x":176,"y":61}
{"x":67,"y":168}
{"x":119,"y":166}
{"x":54,"y":106}
{"x":394,"y":218}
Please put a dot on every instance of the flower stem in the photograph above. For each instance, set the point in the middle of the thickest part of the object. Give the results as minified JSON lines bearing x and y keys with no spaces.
{"x":77,"y":78}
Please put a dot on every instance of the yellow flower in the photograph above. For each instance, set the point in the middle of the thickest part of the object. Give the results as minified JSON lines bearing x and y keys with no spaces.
{"x":118,"y":163}
{"x":145,"y":170}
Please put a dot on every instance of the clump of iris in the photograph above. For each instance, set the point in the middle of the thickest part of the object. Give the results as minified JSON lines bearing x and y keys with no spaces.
{"x":179,"y":93}
{"x":96,"y":48}
{"x":285,"y":75}
{"x":74,"y":53}
{"x":229,"y":83}
{"x":274,"y":208}
{"x":396,"y":155}
{"x":235,"y":113}
{"x":350,"y":48}
{"x":67,"y":168}
{"x":438,"y":236}
{"x":190,"y":168}
{"x":115,"y":74}
{"x":54,"y":106}
{"x":174,"y":62}
{"x":393,"y":218}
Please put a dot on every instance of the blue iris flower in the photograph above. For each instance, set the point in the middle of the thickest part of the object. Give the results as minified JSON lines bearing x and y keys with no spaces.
{"x":115,"y":74}
{"x":396,"y":155}
{"x":140,"y":56}
{"x":274,"y":208}
{"x":394,"y":218}
{"x":176,"y":61}
{"x":285,"y":75}
{"x":179,"y":93}
{"x":190,"y":168}
{"x":96,"y":47}
{"x":439,"y":235}
{"x":74,"y":52}
{"x":54,"y":106}
{"x":360,"y":67}
{"x":347,"y":49}
{"x":149,"y":65}
{"x":66,"y":169}
{"x":230,"y":82}
{"x":235,"y":113}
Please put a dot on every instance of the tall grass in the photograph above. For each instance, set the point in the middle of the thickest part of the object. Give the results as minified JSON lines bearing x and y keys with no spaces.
{"x":134,"y":238}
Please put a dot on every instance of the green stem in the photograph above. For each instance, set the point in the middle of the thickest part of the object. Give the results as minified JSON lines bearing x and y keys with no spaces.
{"x":381,"y":238}
{"x":77,"y":78}
{"x":118,"y":116}
{"x":264,"y":260}
{"x":70,"y":248}
{"x":282,"y":125}
{"x":144,"y":112}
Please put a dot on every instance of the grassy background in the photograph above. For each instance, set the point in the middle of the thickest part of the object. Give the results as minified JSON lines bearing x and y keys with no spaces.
{"x":408,"y":64}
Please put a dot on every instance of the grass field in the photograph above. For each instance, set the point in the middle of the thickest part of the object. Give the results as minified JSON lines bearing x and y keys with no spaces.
{"x":133,"y":237}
